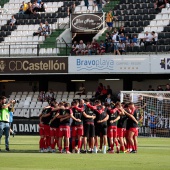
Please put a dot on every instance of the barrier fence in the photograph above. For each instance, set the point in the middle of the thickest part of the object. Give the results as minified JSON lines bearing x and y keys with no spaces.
{"x":65,"y":49}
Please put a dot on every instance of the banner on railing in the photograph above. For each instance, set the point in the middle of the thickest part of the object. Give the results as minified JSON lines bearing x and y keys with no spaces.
{"x":108,"y":64}
{"x":26,"y":127}
{"x":89,"y":22}
{"x":33,"y":65}
{"x":160,"y":64}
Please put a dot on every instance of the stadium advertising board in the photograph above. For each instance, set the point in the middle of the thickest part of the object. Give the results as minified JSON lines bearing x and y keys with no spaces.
{"x":160,"y":64}
{"x":86,"y":22}
{"x":33,"y":65}
{"x":108,"y":64}
{"x":26,"y":127}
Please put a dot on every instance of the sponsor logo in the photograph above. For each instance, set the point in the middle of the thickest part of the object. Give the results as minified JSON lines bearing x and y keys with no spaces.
{"x":95,"y":64}
{"x":165,"y":63}
{"x":36,"y":65}
{"x":86,"y":22}
{"x":26,"y":65}
{"x":2,"y":66}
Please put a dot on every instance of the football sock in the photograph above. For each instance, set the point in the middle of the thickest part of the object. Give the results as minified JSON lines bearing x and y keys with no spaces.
{"x":67,"y":148}
{"x":79,"y":144}
{"x":73,"y":144}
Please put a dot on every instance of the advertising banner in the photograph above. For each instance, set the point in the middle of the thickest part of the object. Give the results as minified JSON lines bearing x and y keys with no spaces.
{"x":26,"y":127}
{"x":86,"y":22}
{"x":108,"y":64}
{"x":160,"y":64}
{"x":33,"y":65}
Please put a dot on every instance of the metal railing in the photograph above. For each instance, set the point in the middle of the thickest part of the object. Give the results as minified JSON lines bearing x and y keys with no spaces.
{"x":65,"y":49}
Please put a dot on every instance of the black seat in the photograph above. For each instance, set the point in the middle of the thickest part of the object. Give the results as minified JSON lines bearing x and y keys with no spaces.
{"x":133,"y":24}
{"x":146,"y":17}
{"x":137,"y":6}
{"x":139,"y":11}
{"x":53,"y":15}
{"x":153,"y":11}
{"x":140,"y":23}
{"x":118,"y":12}
{"x":167,"y":41}
{"x":140,"y":29}
{"x":32,"y":21}
{"x":127,"y":30}
{"x":148,"y":48}
{"x":145,"y":11}
{"x":161,"y":48}
{"x":20,"y":16}
{"x":8,"y":33}
{"x":26,"y":22}
{"x":135,"y":49}
{"x":138,"y":1}
{"x":59,"y":9}
{"x":43,"y":20}
{"x":118,"y":7}
{"x":132,"y":12}
{"x":48,"y":15}
{"x":150,"y":5}
{"x":120,"y":18}
{"x":141,"y":49}
{"x":3,"y":34}
{"x":166,"y":29}
{"x":160,"y":42}
{"x":152,"y":16}
{"x":123,"y":6}
{"x":16,"y":16}
{"x":161,"y":35}
{"x":42,"y":15}
{"x":129,"y":49}
{"x":123,"y":1}
{"x":133,"y":18}
{"x":134,"y":30}
{"x":130,"y":30}
{"x":130,"y":6}
{"x":168,"y":48}
{"x":4,"y":28}
{"x":66,"y":3}
{"x":26,"y":17}
{"x":154,"y":48}
{"x":31,"y":16}
{"x":127,"y":24}
{"x":167,"y":35}
{"x":125,"y":12}
{"x":54,"y":20}
{"x":145,"y":23}
{"x":1,"y":39}
{"x":37,"y":21}
{"x":49,"y":20}
{"x":127,"y":18}
{"x":139,"y":17}
{"x":144,"y":6}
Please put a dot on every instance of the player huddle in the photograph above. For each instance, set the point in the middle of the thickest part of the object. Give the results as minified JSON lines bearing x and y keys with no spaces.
{"x":83,"y":122}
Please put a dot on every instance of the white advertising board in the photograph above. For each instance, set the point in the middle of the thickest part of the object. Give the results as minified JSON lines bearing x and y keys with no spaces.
{"x":109,"y":64}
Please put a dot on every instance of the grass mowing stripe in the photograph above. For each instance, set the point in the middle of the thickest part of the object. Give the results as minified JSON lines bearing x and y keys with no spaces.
{"x":153,"y":153}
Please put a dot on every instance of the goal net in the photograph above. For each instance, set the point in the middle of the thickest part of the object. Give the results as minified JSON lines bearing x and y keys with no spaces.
{"x":154,"y":110}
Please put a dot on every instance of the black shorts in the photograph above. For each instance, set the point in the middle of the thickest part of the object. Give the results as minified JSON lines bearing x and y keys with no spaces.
{"x":89,"y":130}
{"x":100,"y":130}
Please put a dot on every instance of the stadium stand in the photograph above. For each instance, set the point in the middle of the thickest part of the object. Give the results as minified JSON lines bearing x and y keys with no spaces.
{"x":20,"y":36}
{"x":137,"y":17}
{"x":140,"y":16}
{"x":27,"y":103}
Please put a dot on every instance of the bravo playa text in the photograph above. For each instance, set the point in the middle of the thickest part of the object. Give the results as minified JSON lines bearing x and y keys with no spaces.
{"x":95,"y":63}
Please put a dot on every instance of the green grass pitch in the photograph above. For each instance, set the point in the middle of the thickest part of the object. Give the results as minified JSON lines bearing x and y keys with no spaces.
{"x":153,"y":154}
